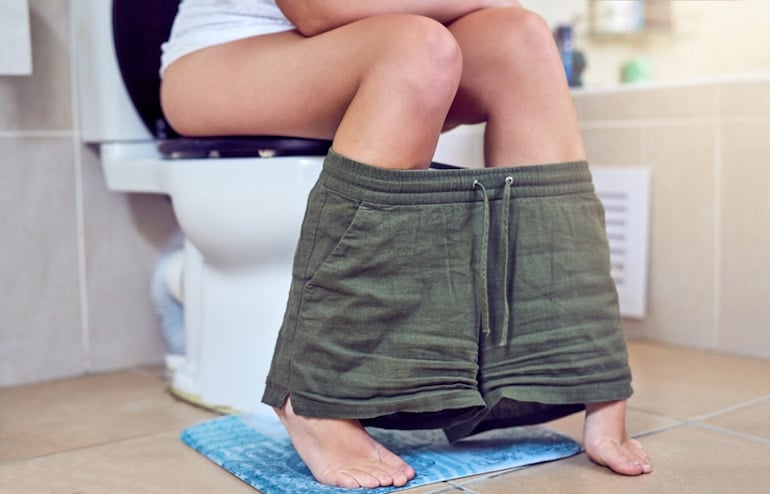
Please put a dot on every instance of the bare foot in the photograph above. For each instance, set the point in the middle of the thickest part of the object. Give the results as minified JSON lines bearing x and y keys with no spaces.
{"x":606,"y":441}
{"x":341,"y":453}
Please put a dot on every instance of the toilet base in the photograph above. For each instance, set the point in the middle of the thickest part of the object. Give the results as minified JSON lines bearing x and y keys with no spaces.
{"x":241,"y":219}
{"x":233,"y":319}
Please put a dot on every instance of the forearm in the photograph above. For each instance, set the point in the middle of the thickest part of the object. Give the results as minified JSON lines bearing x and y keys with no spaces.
{"x":316,"y":16}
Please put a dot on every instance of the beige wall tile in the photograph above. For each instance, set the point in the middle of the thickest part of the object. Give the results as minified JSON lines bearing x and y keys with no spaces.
{"x":745,"y":238}
{"x":125,"y":235}
{"x":679,"y":102}
{"x":41,"y":100}
{"x":622,"y":104}
{"x":748,"y":99}
{"x":40,"y":332}
{"x":682,"y":246}
{"x":608,"y":145}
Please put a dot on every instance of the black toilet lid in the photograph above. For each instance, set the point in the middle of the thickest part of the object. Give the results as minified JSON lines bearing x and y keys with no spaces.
{"x":139,"y":28}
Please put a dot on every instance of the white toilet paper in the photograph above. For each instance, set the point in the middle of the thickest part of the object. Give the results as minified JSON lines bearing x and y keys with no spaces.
{"x":15,"y":44}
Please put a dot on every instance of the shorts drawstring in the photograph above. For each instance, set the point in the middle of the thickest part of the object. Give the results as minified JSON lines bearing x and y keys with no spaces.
{"x":506,"y":212}
{"x":506,"y":257}
{"x":484,"y":262}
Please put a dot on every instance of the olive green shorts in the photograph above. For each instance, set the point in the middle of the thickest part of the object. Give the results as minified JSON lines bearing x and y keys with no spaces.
{"x":456,"y":298}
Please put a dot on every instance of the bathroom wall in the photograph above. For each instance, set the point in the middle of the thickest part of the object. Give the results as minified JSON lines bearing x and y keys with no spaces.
{"x":706,"y":38}
{"x":74,"y":257}
{"x":708,"y":145}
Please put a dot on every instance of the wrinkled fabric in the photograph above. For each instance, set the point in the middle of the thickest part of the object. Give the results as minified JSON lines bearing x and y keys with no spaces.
{"x":464,"y":299}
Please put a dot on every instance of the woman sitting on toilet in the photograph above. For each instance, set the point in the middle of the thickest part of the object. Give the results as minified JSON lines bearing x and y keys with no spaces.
{"x":466,"y":299}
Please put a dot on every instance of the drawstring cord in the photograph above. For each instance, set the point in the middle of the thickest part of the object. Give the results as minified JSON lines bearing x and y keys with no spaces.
{"x":484,"y":260}
{"x":485,"y":324}
{"x":505,"y":225}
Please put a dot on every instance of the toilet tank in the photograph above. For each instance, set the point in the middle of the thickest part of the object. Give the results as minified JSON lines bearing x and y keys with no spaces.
{"x":106,"y":113}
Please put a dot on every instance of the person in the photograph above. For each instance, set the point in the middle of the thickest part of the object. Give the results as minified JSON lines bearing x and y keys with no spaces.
{"x":466,"y":299}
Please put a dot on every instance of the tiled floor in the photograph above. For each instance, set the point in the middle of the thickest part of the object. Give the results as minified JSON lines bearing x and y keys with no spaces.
{"x":704,"y":418}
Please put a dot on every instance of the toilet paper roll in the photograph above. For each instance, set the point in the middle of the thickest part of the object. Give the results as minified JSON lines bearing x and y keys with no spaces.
{"x":15,"y":42}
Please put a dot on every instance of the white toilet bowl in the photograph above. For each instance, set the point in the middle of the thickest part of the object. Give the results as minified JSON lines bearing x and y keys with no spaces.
{"x":241,"y":218}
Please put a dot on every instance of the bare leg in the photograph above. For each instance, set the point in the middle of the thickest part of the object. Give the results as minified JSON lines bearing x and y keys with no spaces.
{"x":530,"y":119}
{"x":380,"y":87}
{"x":513,"y":79}
{"x":607,"y":442}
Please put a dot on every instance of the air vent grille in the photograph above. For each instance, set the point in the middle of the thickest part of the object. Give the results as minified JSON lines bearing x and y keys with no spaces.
{"x":625,"y":194}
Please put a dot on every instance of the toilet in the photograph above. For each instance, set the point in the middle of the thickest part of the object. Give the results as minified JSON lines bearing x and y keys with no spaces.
{"x":238,"y":200}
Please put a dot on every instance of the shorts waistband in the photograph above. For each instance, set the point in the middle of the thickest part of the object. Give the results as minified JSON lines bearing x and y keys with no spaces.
{"x":368,"y":183}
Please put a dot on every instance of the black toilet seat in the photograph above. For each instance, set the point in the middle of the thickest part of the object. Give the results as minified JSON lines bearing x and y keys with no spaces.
{"x":241,"y":147}
{"x":139,"y":27}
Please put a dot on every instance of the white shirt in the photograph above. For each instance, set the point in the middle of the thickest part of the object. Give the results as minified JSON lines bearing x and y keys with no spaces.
{"x":203,"y":23}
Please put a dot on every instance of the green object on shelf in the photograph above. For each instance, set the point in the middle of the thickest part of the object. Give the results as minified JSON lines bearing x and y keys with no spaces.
{"x":639,"y":70}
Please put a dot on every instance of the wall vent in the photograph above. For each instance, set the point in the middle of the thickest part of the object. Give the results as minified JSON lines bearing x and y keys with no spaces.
{"x":625,"y":193}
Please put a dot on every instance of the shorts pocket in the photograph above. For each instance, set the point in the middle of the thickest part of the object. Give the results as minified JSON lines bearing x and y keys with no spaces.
{"x":330,"y":218}
{"x":386,"y":314}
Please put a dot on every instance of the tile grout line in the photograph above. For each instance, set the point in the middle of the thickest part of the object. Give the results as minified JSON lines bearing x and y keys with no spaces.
{"x":80,"y":227}
{"x":717,"y":232}
{"x":730,"y":409}
{"x":62,"y":452}
{"x":21,"y":134}
{"x":646,"y":122}
{"x":732,"y":433}
{"x":680,"y":121}
{"x":658,"y":430}
{"x":450,"y":486}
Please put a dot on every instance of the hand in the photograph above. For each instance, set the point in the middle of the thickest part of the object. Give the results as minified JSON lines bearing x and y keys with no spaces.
{"x":503,"y":3}
{"x":312,"y":17}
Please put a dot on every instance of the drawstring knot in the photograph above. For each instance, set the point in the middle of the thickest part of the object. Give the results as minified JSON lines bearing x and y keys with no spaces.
{"x":484,"y":261}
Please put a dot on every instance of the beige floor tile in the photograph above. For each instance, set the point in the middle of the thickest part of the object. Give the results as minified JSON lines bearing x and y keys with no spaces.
{"x":753,"y":420}
{"x":687,"y":384}
{"x":440,"y":488}
{"x":64,"y":415}
{"x":687,"y":459}
{"x":154,"y":464}
{"x":638,"y":423}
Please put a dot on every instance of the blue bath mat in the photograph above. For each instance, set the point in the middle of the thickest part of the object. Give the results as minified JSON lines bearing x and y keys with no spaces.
{"x":257,"y":450}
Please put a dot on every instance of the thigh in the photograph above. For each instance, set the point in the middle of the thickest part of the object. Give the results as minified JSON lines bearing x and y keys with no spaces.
{"x":259,"y":85}
{"x":485,"y":38}
{"x":281,"y":83}
{"x":513,"y":79}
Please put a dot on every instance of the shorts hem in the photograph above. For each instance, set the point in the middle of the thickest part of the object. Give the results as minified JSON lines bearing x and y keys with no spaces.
{"x":558,"y":395}
{"x":367,"y":409}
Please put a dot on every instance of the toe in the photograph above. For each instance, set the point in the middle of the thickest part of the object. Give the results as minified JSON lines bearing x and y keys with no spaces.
{"x":343,"y":480}
{"x":384,"y":477}
{"x":355,"y":479}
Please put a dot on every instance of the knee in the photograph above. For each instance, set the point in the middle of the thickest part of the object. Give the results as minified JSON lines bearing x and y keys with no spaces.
{"x":424,"y":56}
{"x":524,"y":36}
